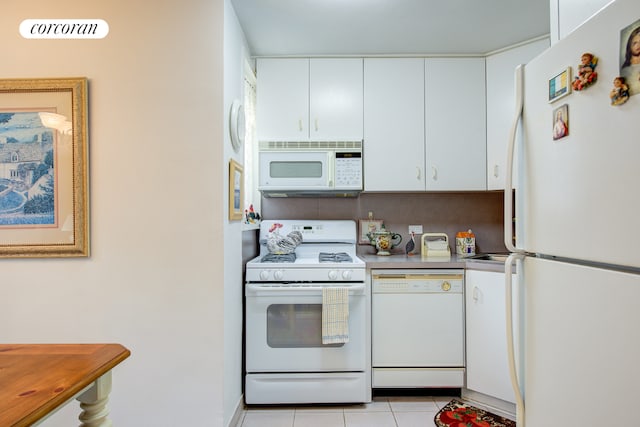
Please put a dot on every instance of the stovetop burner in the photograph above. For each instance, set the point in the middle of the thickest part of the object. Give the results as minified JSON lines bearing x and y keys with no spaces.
{"x":279,"y":257}
{"x":334,"y":257}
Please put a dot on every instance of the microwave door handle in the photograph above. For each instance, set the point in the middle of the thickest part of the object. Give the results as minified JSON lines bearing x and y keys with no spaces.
{"x":331,"y":171}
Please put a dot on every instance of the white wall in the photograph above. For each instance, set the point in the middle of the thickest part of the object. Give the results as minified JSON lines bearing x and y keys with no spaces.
{"x":236,"y":52}
{"x":155,"y":281}
{"x":567,"y":15}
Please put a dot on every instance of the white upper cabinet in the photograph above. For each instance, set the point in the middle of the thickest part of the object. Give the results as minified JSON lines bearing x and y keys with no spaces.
{"x":335,"y":106}
{"x":424,"y":124}
{"x":394,"y":124}
{"x":501,"y":105}
{"x":455,"y":120}
{"x":301,"y":99}
{"x":282,"y":96}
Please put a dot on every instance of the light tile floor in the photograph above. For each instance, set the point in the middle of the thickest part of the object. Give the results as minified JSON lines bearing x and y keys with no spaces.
{"x":394,"y":411}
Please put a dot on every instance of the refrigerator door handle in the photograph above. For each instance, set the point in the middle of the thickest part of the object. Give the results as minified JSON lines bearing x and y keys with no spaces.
{"x":511,"y":341}
{"x":508,"y":177}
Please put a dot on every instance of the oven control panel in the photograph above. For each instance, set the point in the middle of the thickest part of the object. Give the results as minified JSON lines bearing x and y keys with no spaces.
{"x":306,"y":274}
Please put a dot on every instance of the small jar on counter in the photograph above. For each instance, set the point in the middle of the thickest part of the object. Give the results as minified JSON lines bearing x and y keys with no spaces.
{"x":466,"y":243}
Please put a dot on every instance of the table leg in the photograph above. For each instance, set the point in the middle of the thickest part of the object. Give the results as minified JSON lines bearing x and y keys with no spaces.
{"x":93,"y":403}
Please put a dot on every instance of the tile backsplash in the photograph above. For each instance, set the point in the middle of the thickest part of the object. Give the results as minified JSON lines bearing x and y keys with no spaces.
{"x":436,"y":212}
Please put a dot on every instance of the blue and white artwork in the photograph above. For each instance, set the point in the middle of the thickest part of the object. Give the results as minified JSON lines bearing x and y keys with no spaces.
{"x":27,"y":178}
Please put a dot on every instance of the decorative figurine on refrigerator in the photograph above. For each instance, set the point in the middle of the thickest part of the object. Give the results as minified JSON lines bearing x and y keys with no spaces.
{"x":620,"y":92}
{"x":586,"y":72}
{"x":411,"y":244}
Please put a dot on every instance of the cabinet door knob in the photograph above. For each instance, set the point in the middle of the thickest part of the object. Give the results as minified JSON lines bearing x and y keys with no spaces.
{"x":418,"y":173}
{"x":495,"y":171}
{"x":316,"y":123}
{"x":300,"y":125}
{"x":434,"y":173}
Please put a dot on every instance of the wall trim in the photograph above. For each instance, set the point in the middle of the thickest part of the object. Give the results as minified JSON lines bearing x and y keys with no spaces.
{"x":238,"y":413}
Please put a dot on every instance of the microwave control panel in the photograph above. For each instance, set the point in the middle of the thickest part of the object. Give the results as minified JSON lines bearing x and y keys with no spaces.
{"x":348,"y":170}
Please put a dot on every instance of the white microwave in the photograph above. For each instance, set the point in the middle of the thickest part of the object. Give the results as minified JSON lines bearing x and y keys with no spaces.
{"x":310,"y":168}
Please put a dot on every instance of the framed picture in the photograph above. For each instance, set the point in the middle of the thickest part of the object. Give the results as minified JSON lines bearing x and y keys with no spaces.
{"x":367,"y":226}
{"x":235,"y":190}
{"x":43,"y":168}
{"x":629,"y":68}
{"x":561,"y":122}
{"x":560,"y":85}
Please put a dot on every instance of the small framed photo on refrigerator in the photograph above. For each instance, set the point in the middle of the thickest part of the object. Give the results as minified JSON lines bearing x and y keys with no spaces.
{"x":560,"y":85}
{"x":560,"y":122}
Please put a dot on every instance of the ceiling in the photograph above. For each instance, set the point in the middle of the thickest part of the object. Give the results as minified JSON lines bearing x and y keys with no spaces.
{"x":388,"y":27}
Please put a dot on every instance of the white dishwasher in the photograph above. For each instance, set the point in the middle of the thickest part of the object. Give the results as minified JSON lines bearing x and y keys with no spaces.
{"x":417,"y":328}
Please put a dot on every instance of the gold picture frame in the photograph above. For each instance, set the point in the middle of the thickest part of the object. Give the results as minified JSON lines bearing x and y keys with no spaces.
{"x":367,"y":226}
{"x":43,"y":168}
{"x":236,"y":191}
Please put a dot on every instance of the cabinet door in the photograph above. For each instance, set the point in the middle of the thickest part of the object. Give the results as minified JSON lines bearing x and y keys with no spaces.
{"x":455,"y":124}
{"x":394,"y":124}
{"x":335,"y":109}
{"x":501,"y":106}
{"x":282,"y":97}
{"x":487,"y":365}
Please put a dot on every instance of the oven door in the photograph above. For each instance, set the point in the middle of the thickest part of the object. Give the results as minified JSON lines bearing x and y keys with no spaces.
{"x":284,"y":329}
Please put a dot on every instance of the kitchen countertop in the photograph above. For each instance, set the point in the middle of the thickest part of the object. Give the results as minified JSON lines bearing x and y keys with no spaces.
{"x":414,"y":261}
{"x":417,"y":261}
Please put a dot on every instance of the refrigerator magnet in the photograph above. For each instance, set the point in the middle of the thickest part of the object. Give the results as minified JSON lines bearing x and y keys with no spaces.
{"x":586,"y":72}
{"x":560,"y":85}
{"x":561,"y":122}
{"x":620,"y":92}
{"x":630,"y":56}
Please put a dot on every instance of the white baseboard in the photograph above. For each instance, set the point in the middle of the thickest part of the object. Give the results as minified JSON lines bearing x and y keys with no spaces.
{"x":238,"y":413}
{"x":488,"y":403}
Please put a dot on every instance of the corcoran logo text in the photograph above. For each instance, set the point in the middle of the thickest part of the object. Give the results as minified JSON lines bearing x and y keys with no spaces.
{"x":64,"y":28}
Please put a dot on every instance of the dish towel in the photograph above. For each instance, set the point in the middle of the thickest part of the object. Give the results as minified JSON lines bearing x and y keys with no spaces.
{"x":335,"y":315}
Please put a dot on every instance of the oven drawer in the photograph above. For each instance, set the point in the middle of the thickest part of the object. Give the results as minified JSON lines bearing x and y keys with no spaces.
{"x":304,"y":388}
{"x":284,"y":334}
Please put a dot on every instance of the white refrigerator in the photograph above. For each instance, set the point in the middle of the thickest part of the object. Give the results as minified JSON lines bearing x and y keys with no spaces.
{"x":576,"y":339}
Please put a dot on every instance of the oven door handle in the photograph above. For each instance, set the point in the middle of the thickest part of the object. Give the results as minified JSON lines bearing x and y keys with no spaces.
{"x":261,"y":287}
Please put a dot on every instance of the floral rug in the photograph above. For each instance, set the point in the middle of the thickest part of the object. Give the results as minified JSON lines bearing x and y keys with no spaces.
{"x":459,"y":414}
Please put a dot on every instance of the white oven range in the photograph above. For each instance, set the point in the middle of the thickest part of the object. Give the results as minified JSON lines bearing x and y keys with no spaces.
{"x":286,"y":361}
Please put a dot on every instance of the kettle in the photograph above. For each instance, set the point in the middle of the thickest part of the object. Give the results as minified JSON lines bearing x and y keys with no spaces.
{"x":384,"y":240}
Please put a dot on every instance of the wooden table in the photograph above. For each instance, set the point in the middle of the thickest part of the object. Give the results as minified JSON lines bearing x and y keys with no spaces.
{"x":37,"y":379}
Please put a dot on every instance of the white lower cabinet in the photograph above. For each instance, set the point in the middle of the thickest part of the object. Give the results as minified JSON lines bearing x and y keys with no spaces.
{"x":486,"y":349}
